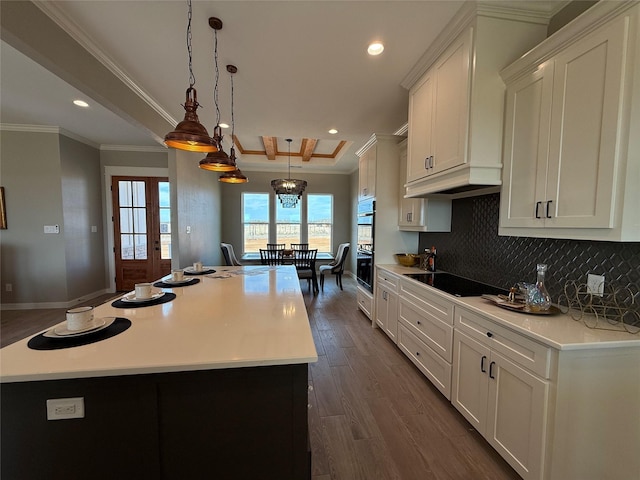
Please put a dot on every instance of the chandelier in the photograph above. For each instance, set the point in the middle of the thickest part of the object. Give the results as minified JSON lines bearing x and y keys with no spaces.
{"x":289,"y":190}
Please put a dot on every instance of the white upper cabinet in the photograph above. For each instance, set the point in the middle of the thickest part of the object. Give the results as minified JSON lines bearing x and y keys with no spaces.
{"x":456,"y":100}
{"x":367,"y":175}
{"x":421,"y":214}
{"x":570,"y":169}
{"x":438,"y":113}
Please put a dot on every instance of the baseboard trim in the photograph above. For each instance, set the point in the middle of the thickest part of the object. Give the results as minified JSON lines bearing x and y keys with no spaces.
{"x":44,"y":305}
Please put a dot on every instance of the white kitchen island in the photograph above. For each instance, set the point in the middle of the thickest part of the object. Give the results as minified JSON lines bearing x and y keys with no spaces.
{"x":212,"y":384}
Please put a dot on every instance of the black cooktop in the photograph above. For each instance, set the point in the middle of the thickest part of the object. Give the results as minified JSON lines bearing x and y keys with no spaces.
{"x":456,"y":285}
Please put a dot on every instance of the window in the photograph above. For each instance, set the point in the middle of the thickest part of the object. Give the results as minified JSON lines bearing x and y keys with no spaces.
{"x":164,"y":205}
{"x":255,"y":221}
{"x":288,"y":224}
{"x":320,"y":221}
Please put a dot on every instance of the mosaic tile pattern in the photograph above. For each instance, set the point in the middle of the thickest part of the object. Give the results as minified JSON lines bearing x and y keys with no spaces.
{"x":473,"y":249}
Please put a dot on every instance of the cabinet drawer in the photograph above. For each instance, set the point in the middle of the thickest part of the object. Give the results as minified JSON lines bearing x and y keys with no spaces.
{"x":387,"y":281}
{"x":424,"y":297}
{"x":365,"y":302}
{"x":525,"y":352}
{"x":428,"y":362}
{"x":435,"y":333}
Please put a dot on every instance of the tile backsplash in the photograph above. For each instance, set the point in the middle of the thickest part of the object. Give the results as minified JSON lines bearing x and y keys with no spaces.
{"x":473,"y":249}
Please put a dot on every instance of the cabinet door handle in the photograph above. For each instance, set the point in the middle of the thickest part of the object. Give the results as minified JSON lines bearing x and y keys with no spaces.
{"x":426,"y":163}
{"x":418,"y":322}
{"x":491,"y":370}
{"x":537,"y":206}
{"x":489,"y":334}
{"x":417,"y":354}
{"x":431,"y":161}
{"x":548,"y":203}
{"x":482,"y":369}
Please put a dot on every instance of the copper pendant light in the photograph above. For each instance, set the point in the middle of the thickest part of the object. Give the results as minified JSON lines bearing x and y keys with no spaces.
{"x":217,"y":160}
{"x":235,"y":176}
{"x":190,"y":134}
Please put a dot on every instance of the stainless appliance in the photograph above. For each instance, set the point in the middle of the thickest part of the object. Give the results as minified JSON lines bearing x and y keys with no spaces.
{"x":365,"y":252}
{"x":456,"y":285}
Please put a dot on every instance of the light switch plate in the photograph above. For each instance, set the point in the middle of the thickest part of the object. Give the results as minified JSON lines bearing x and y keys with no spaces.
{"x":595,"y":284}
{"x":52,"y":229}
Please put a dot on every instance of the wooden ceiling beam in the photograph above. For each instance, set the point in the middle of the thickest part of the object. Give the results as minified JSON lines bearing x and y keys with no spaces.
{"x":270,"y":147}
{"x":307,"y":148}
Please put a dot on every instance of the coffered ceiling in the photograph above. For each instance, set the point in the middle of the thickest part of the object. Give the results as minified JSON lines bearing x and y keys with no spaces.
{"x":302,"y":69}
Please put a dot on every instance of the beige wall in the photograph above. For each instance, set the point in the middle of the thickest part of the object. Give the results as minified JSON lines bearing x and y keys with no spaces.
{"x":260,"y":182}
{"x":33,"y":262}
{"x":196,"y":193}
{"x":81,"y":209}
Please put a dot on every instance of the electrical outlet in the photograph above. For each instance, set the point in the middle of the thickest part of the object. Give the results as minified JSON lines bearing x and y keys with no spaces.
{"x":65,"y":408}
{"x":8,"y":287}
{"x":595,"y":284}
{"x":188,"y":228}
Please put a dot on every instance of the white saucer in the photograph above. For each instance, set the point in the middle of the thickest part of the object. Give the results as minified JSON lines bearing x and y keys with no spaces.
{"x":97,"y":324}
{"x":131,"y":297}
{"x":193,"y":270}
{"x":179,"y":282}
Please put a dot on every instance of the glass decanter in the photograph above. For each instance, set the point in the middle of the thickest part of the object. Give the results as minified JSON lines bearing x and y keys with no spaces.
{"x":539,"y":299}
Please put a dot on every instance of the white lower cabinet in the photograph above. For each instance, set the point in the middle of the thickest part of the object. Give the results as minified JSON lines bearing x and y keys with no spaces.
{"x":502,"y":398}
{"x":426,"y":332}
{"x":365,"y":301}
{"x":387,"y":304}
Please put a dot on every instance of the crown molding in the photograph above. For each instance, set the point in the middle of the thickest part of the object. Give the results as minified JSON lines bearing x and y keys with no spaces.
{"x":84,"y":40}
{"x":133,"y":148}
{"x":9,"y":127}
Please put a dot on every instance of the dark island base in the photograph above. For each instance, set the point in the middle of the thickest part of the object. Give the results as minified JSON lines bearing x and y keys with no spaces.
{"x":241,"y":423}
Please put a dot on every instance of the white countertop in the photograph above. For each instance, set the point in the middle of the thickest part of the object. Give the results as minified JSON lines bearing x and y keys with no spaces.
{"x":557,"y":331}
{"x":255,"y":319}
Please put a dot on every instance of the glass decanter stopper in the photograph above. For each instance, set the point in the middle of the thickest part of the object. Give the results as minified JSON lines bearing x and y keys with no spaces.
{"x":539,"y":299}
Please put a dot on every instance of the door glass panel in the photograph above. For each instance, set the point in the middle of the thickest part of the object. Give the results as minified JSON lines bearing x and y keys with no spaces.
{"x":126,"y":220}
{"x":141,"y":247}
{"x":126,"y":247}
{"x":164,"y":203}
{"x":138,"y":194}
{"x":140,"y":220}
{"x":124,"y":194}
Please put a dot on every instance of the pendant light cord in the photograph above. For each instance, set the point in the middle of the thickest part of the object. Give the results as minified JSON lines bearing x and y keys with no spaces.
{"x":233,"y":122}
{"x":215,"y":88}
{"x":192,"y":78}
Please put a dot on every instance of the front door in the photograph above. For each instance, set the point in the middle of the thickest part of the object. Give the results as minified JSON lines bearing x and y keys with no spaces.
{"x":142,"y":229}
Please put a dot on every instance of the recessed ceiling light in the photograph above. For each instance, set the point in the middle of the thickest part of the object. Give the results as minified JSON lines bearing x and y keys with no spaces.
{"x":375,"y":48}
{"x":224,"y":125}
{"x":80,"y":103}
{"x":333,"y":131}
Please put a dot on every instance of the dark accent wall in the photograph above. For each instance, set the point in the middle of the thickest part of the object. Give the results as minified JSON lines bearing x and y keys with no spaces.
{"x":473,"y":249}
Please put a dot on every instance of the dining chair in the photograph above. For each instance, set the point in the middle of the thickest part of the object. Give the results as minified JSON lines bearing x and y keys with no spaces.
{"x":337,"y":266}
{"x":305,"y":263}
{"x":299,"y":246}
{"x":270,"y":256}
{"x":229,"y":255}
{"x":275,"y":246}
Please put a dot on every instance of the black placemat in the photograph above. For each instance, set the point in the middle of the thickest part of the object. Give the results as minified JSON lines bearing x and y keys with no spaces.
{"x":40,"y":342}
{"x":162,"y":284}
{"x":206,"y":271}
{"x":167,"y":297}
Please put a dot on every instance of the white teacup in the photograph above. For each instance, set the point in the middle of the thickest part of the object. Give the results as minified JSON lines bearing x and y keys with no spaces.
{"x":177,"y":275}
{"x":143,"y":290}
{"x":197,"y":266}
{"x":79,"y":318}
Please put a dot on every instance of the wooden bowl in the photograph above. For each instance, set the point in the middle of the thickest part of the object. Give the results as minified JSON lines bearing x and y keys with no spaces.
{"x":407,"y":259}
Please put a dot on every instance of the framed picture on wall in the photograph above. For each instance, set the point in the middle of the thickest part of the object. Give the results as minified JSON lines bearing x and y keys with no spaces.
{"x":3,"y":212}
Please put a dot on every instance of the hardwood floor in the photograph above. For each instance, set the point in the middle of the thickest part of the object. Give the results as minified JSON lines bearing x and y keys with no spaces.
{"x":373,"y":415}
